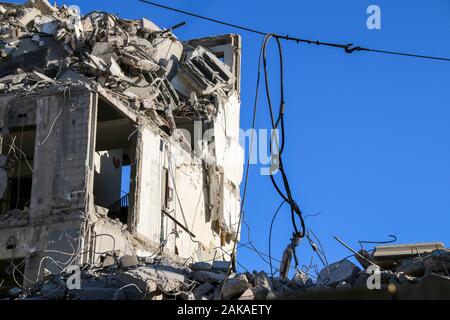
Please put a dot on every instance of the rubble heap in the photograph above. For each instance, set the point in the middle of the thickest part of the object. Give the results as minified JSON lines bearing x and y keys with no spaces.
{"x":142,"y":65}
{"x":133,"y":278}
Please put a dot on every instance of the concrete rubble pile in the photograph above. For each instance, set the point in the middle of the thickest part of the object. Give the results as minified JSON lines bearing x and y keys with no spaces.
{"x":133,"y":278}
{"x":142,"y":65}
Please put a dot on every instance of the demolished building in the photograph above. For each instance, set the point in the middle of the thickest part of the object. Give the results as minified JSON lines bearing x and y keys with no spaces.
{"x":86,"y":99}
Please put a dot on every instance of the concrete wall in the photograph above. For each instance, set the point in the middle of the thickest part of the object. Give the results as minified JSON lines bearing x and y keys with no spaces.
{"x":61,"y":159}
{"x":148,"y":195}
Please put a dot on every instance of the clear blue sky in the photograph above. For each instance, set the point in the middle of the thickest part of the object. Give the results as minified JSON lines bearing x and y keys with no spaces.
{"x":368,"y":135}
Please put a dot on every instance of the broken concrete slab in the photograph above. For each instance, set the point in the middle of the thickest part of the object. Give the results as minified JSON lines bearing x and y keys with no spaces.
{"x":203,"y":73}
{"x":42,"y":5}
{"x":300,"y":280}
{"x":412,"y":267}
{"x":260,"y":293}
{"x":27,"y":62}
{"x":202,"y":290}
{"x":73,"y":76}
{"x":208,"y":276}
{"x":152,"y":277}
{"x":148,"y":26}
{"x":139,"y":63}
{"x":28,"y":15}
{"x":128,"y":261}
{"x":235,"y":287}
{"x":393,"y":252}
{"x":222,"y":266}
{"x":247,"y":295}
{"x":338,"y":272}
{"x":109,"y":261}
{"x":283,"y":292}
{"x":262,"y":280}
{"x":104,"y":50}
{"x":144,"y":284}
{"x":46,"y":24}
{"x":201,"y":266}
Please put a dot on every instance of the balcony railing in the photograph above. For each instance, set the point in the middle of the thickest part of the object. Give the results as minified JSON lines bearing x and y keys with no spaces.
{"x":119,"y":209}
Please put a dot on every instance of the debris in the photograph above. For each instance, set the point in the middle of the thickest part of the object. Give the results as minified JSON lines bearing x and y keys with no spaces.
{"x":14,"y":293}
{"x":392,"y":253}
{"x":158,"y":280}
{"x":301,"y":280}
{"x":235,"y":287}
{"x":260,"y":293}
{"x":26,"y":62}
{"x":364,"y":254}
{"x":109,"y":261}
{"x":263,"y":281}
{"x":338,"y":272}
{"x":208,"y":276}
{"x":186,"y":296}
{"x":222,"y":266}
{"x":144,"y":284}
{"x":128,"y":261}
{"x":42,"y":5}
{"x":202,"y":290}
{"x":247,"y":295}
{"x":282,"y":292}
{"x":148,"y":26}
{"x":46,"y":24}
{"x":202,"y":72}
{"x":201,"y":266}
{"x":28,"y":15}
{"x":411,"y":267}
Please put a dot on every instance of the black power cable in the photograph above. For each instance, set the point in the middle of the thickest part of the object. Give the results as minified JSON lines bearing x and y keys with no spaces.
{"x":270,"y":235}
{"x":349,"y":48}
{"x":287,"y":196}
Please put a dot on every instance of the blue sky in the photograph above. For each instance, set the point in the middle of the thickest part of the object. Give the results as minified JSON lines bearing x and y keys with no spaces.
{"x":368,"y":135}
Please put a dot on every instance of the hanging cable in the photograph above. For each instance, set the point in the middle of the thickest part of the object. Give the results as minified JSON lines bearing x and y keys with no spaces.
{"x":348,"y":48}
{"x":287,"y":196}
{"x":270,"y":235}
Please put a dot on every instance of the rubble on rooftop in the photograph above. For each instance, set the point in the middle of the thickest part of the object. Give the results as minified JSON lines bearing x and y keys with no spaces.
{"x":144,"y":66}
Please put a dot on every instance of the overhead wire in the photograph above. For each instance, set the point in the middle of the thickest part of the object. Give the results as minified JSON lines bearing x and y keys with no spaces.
{"x":348,"y":48}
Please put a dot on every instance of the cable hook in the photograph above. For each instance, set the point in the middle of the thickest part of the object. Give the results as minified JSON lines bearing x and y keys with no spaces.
{"x":349,"y":48}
